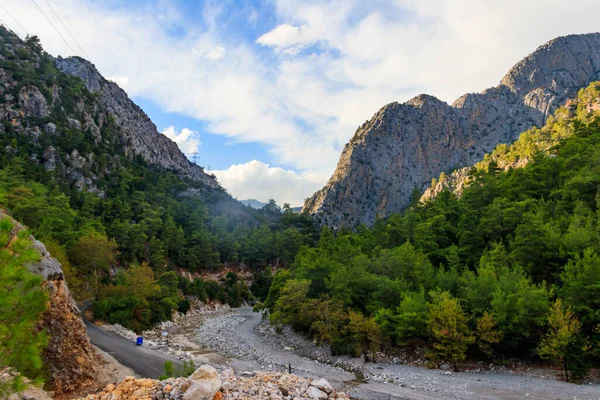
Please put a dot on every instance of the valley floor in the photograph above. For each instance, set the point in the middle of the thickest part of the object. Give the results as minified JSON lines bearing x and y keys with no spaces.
{"x":250,"y":343}
{"x":240,"y":339}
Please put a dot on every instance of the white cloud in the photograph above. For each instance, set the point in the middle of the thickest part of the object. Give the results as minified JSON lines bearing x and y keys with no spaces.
{"x":256,"y":180}
{"x":286,"y":36}
{"x":122,"y":81}
{"x":187,"y":140}
{"x":216,"y":53}
{"x":337,"y":62}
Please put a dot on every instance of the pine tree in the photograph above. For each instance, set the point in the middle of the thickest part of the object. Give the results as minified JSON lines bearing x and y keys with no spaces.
{"x":92,"y":255}
{"x":366,"y":335}
{"x":487,"y":334}
{"x":328,"y":317}
{"x":563,"y":334}
{"x":22,"y":302}
{"x":447,"y":325}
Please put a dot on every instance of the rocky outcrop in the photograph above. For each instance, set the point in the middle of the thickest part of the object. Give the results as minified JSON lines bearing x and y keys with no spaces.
{"x":456,"y":182}
{"x":69,"y":358}
{"x":530,"y":144}
{"x":405,"y":145}
{"x":30,"y":391}
{"x":139,"y":135}
{"x":33,"y":102}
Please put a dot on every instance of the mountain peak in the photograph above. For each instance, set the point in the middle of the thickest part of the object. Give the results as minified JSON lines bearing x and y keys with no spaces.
{"x":404,"y":146}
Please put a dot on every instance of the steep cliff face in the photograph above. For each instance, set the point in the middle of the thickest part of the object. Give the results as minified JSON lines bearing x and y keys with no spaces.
{"x":69,"y":358}
{"x":531,"y":143}
{"x":405,"y":145}
{"x":139,"y":134}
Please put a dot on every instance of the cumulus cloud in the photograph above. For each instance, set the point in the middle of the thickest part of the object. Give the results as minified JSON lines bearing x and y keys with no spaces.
{"x":336,"y":62}
{"x":122,"y":81}
{"x":187,"y":140}
{"x":257,"y":180}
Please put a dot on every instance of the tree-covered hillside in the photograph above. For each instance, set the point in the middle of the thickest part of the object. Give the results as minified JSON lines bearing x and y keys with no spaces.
{"x":119,"y":225}
{"x":511,"y":268}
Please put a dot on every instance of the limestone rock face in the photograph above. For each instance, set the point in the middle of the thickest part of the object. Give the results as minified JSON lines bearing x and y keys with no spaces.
{"x":139,"y":134}
{"x":33,"y":102}
{"x":507,"y":157}
{"x":405,"y":145}
{"x":69,"y":356}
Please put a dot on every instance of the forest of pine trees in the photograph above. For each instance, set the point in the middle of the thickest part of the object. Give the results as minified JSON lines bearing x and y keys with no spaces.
{"x":511,"y":268}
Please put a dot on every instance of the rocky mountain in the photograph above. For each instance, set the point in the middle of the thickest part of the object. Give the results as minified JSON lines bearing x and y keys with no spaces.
{"x":256,"y":204}
{"x":79,"y":125}
{"x":531,"y":143}
{"x":405,"y":145}
{"x":139,"y":134}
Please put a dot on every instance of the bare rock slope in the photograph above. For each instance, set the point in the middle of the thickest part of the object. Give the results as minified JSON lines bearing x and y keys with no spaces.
{"x":139,"y":134}
{"x":405,"y":145}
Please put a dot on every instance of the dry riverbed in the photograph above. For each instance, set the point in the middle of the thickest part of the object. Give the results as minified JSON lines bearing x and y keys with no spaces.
{"x":241,"y":340}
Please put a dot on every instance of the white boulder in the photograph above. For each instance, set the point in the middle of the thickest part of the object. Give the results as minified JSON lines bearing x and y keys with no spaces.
{"x":323,"y":385}
{"x":205,"y":382}
{"x":315,"y":393}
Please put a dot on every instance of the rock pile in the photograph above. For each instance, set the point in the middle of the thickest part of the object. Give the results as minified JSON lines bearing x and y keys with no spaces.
{"x":276,"y":386}
{"x":130,"y":388}
{"x":207,"y":384}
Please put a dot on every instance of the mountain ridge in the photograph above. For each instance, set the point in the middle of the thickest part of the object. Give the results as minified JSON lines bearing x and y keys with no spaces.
{"x":403,"y":146}
{"x":140,"y":135}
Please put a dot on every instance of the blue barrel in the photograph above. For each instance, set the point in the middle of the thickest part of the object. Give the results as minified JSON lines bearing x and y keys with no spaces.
{"x":139,"y":341}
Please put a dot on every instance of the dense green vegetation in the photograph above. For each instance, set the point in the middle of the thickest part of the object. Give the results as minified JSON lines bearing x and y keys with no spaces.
{"x":22,"y":302}
{"x":473,"y":276}
{"x":123,"y":245}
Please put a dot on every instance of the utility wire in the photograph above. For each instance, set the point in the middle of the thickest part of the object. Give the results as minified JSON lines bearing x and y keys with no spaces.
{"x":13,"y":18}
{"x":68,"y":31}
{"x":52,"y":25}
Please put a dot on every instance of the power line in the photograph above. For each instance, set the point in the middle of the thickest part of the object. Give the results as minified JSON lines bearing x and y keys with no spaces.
{"x":68,"y":31}
{"x":52,"y":25}
{"x":194,"y":157}
{"x":13,"y":18}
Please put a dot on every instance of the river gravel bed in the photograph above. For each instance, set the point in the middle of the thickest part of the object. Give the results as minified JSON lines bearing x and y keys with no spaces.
{"x":249,"y":343}
{"x":243,"y":335}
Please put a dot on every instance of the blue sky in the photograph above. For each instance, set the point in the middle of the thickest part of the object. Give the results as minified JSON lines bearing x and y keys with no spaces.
{"x":268,"y":92}
{"x":214,"y":151}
